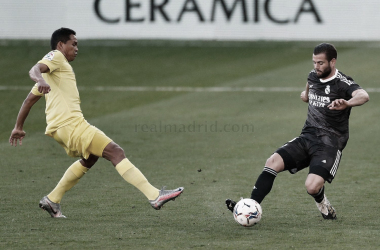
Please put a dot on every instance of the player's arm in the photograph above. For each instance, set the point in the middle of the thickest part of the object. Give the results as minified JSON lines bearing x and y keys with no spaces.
{"x":35,"y":74}
{"x":305,"y":94}
{"x":359,"y":97}
{"x":18,"y":133}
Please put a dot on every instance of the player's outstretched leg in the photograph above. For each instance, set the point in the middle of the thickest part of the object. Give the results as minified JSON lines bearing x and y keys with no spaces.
{"x":165,"y":196}
{"x":157,"y":198}
{"x":51,"y":202}
{"x":54,"y":209}
{"x":262,"y":187}
{"x":263,"y":184}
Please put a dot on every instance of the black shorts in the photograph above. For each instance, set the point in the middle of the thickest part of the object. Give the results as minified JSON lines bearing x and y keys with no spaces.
{"x":302,"y":152}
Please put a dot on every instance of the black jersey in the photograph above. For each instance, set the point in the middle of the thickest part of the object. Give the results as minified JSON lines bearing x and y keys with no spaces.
{"x":330,"y":125}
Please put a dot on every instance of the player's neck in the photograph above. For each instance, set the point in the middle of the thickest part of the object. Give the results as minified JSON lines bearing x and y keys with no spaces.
{"x":332,"y":75}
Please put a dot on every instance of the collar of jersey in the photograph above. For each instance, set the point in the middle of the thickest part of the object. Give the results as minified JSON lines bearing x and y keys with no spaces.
{"x":331,"y":78}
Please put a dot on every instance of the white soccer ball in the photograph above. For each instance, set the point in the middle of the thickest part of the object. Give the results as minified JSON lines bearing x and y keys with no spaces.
{"x":247,"y":212}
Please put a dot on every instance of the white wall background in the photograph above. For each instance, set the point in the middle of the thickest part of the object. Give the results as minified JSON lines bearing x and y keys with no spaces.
{"x":339,"y":20}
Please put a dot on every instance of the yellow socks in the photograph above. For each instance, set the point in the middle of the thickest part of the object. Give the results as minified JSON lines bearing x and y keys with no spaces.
{"x":69,"y":179}
{"x":133,"y":176}
{"x":125,"y":168}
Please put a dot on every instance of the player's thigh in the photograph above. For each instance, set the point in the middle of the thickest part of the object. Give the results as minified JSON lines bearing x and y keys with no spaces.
{"x":62,"y":136}
{"x":98,"y":143}
{"x":325,"y":161}
{"x":295,"y":155}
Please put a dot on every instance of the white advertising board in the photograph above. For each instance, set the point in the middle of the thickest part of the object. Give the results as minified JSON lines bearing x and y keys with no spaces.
{"x":339,"y":20}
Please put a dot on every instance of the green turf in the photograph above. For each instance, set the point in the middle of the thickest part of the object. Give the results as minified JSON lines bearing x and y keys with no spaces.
{"x":104,"y":212}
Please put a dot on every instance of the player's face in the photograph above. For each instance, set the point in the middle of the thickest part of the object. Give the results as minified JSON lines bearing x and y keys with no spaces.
{"x":322,"y":66}
{"x":70,"y":48}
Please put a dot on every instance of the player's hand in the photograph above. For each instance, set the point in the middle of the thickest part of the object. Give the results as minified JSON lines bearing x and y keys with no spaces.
{"x":304,"y":97}
{"x":16,"y":135}
{"x":43,"y":87}
{"x":338,"y":104}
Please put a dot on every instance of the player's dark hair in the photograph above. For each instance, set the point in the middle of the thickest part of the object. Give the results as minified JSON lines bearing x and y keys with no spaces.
{"x":60,"y":35}
{"x":328,"y":49}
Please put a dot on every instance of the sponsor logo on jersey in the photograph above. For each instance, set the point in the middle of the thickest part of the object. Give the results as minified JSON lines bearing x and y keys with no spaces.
{"x":318,"y":101}
{"x":49,"y":56}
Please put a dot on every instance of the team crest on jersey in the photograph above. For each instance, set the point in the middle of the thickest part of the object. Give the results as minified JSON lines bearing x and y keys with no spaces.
{"x":49,"y":56}
{"x":327,"y":89}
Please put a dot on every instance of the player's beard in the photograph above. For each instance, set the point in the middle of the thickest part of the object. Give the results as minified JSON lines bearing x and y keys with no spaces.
{"x":324,"y":73}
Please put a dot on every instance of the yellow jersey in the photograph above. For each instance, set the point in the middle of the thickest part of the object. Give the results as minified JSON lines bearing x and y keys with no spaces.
{"x":63,"y":101}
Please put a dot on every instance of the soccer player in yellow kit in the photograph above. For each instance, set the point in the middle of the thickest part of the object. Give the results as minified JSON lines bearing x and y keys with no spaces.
{"x":55,"y":79}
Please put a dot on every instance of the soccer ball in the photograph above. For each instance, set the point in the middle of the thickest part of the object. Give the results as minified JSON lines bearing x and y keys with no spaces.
{"x":247,"y":212}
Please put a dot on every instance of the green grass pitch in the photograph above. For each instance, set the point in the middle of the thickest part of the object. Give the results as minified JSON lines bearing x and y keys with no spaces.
{"x":215,"y":144}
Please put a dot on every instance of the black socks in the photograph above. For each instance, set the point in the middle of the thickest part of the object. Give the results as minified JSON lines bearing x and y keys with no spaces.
{"x":320,"y":195}
{"x":263,"y":184}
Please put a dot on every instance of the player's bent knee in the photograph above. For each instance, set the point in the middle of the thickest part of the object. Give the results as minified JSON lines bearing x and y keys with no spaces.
{"x":88,"y":163}
{"x":113,"y":153}
{"x":312,"y":189}
{"x":275,"y":162}
{"x":270,"y":162}
{"x":313,"y":184}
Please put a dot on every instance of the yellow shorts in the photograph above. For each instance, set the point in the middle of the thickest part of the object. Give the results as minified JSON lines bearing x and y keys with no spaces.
{"x":81,"y":139}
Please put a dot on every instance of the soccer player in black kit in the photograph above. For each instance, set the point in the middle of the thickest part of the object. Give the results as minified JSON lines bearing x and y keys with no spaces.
{"x":330,"y":95}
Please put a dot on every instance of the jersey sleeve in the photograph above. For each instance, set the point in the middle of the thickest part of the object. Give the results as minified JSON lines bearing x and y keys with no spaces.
{"x":35,"y":91}
{"x":347,"y":85}
{"x":53,"y":60}
{"x":310,"y":77}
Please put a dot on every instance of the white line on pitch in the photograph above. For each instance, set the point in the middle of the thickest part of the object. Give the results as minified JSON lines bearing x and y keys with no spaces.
{"x":178,"y":89}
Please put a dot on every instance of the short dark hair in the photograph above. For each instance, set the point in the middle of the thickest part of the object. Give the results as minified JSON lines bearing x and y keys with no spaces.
{"x":60,"y":35}
{"x":328,"y":49}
